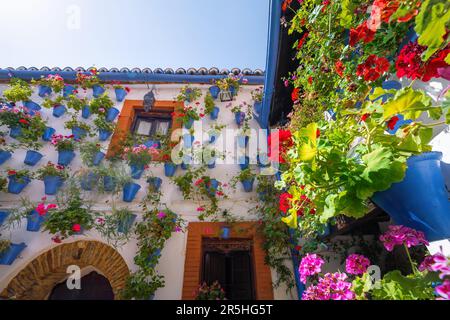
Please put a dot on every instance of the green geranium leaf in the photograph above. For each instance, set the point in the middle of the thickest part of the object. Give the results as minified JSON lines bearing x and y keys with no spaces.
{"x":329,"y":209}
{"x":376,"y":160}
{"x":431,"y":25}
{"x":362,"y":285}
{"x":409,"y":102}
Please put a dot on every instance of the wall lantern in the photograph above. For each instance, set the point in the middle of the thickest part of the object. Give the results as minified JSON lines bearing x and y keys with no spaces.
{"x":225,"y":96}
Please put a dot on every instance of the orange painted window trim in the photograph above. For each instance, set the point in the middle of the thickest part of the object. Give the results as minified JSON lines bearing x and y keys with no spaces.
{"x":127,"y":115}
{"x":197,"y":231}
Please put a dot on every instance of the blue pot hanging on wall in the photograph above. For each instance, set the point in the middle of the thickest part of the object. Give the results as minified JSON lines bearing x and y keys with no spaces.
{"x":211,"y":163}
{"x":257,"y":106}
{"x":120,"y":94}
{"x":98,"y":157}
{"x":65,"y":157}
{"x":88,"y":181}
{"x":52,"y":184}
{"x":215,"y":113}
{"x":34,"y":221}
{"x":214,"y":90}
{"x":4,"y":156}
{"x":111,"y":114}
{"x":137,"y":170}
{"x":169,"y":169}
{"x":244,"y":162}
{"x":8,"y":257}
{"x":32,"y":157}
{"x":3,"y":216}
{"x":109,"y":183}
{"x":232,"y":90}
{"x":429,"y":210}
{"x":68,"y":90}
{"x":239,"y":117}
{"x":189,"y":124}
{"x":155,"y":182}
{"x":48,"y":133}
{"x":129,"y":191}
{"x":104,"y":135}
{"x":44,"y":91}
{"x":31,"y":105}
{"x":125,"y":225}
{"x":213,"y":185}
{"x":16,"y":185}
{"x":85,"y":112}
{"x":185,"y":163}
{"x":78,"y":133}
{"x":97,"y":90}
{"x":58,"y":111}
{"x":15,"y":132}
{"x":248,"y":184}
{"x":152,"y":258}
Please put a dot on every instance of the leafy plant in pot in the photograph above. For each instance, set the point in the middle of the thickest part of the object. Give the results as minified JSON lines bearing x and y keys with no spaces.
{"x":138,"y":157}
{"x":104,"y":128}
{"x":78,"y":104}
{"x":189,"y":94}
{"x":91,"y":80}
{"x":19,"y":90}
{"x":212,"y":292}
{"x":120,"y":91}
{"x":187,"y":116}
{"x":91,"y":153}
{"x":53,"y":176}
{"x":57,"y":105}
{"x":65,"y":145}
{"x":257,"y":96}
{"x":246,"y":177}
{"x":116,"y":227}
{"x":210,"y":107}
{"x":18,"y":180}
{"x":79,"y":129}
{"x":104,"y":106}
{"x":52,"y":82}
{"x":24,"y":127}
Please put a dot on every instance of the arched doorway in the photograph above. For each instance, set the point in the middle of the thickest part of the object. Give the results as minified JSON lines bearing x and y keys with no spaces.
{"x":37,"y":280}
{"x":94,"y":286}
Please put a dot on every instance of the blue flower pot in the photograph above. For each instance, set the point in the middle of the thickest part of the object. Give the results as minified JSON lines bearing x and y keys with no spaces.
{"x":215,"y":113}
{"x":239,"y":117}
{"x":120,"y":94}
{"x":104,"y":135}
{"x":232,"y":90}
{"x":98,"y":157}
{"x":214,"y":184}
{"x":65,"y":157}
{"x":244,"y":162}
{"x":125,"y":225}
{"x":189,"y":124}
{"x":111,"y":114}
{"x":248,"y":185}
{"x":225,"y":232}
{"x":58,"y":111}
{"x":109,"y":183}
{"x":97,"y":90}
{"x":15,"y":186}
{"x":68,"y":90}
{"x":263,"y":160}
{"x":3,"y":216}
{"x":52,"y":184}
{"x":15,"y":132}
{"x":136,"y":170}
{"x":155,"y":182}
{"x":4,"y":156}
{"x":85,"y":112}
{"x":243,"y":141}
{"x":211,"y":163}
{"x":32,"y":157}
{"x":44,"y":91}
{"x":258,"y":107}
{"x":152,"y":144}
{"x":31,"y":105}
{"x":214,"y":90}
{"x":152,"y":257}
{"x":188,"y":140}
{"x":8,"y":257}
{"x":48,"y":133}
{"x":34,"y":221}
{"x":78,"y":133}
{"x":429,"y":211}
{"x":129,"y":191}
{"x":169,"y":169}
{"x":88,"y":181}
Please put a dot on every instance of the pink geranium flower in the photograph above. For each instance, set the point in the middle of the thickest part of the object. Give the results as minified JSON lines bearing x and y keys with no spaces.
{"x":310,"y":265}
{"x":443,"y":290}
{"x":401,"y":235}
{"x":356,"y":264}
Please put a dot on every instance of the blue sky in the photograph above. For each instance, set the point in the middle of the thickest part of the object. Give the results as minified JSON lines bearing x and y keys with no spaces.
{"x":134,"y":33}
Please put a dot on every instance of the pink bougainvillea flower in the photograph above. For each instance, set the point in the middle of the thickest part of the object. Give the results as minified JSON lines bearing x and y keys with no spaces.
{"x":310,"y":265}
{"x":356,"y":264}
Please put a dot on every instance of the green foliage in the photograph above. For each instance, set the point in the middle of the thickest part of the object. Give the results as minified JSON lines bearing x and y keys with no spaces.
{"x":19,"y":90}
{"x":108,"y":225}
{"x":51,"y":169}
{"x":101,"y":124}
{"x":51,"y":103}
{"x":189,"y":94}
{"x":101,"y":104}
{"x":209,"y":103}
{"x":75,"y":103}
{"x":212,"y":292}
{"x":88,"y":150}
{"x":32,"y":126}
{"x":4,"y":245}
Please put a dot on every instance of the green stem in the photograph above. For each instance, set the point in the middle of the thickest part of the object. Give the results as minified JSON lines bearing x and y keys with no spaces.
{"x":433,"y":124}
{"x":413,"y":265}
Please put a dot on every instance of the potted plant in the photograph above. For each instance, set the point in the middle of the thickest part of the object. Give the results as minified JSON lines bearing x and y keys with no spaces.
{"x":188,"y":115}
{"x":32,"y":157}
{"x":48,"y":133}
{"x":18,"y":180}
{"x":91,"y":153}
{"x":230,"y":85}
{"x":113,"y":175}
{"x":214,"y":91}
{"x":215,"y":131}
{"x":239,"y":115}
{"x":120,"y":91}
{"x":90,"y":80}
{"x":243,"y":138}
{"x":189,"y":94}
{"x":65,"y":145}
{"x":125,"y":219}
{"x":23,"y":126}
{"x":36,"y":214}
{"x":53,"y":177}
{"x":165,"y":153}
{"x":19,"y":90}
{"x":210,"y":107}
{"x":57,"y":105}
{"x":52,"y":82}
{"x":247,"y":178}
{"x":213,"y":292}
{"x":10,"y":251}
{"x":88,"y":179}
{"x":257,"y":96}
{"x":5,"y":150}
{"x":79,"y":129}
{"x":78,"y":104}
{"x":129,"y":191}
{"x":104,"y":128}
{"x":69,"y":90}
{"x":103,"y":106}
{"x":138,"y":158}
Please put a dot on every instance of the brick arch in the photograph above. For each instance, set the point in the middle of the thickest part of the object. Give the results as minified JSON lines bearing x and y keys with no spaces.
{"x":37,"y":279}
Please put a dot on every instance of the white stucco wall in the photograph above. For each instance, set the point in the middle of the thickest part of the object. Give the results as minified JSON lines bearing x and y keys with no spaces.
{"x":171,"y":263}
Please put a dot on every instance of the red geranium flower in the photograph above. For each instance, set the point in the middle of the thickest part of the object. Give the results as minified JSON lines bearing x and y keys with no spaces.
{"x":372,"y":68}
{"x":11,"y":172}
{"x":23,"y":121}
{"x":392,"y":122}
{"x":284,"y":202}
{"x":340,"y":68}
{"x":295,"y":94}
{"x":278,"y":147}
{"x":361,"y":33}
{"x":285,"y":4}
{"x":302,"y":41}
{"x":365,"y":116}
{"x":76,"y":227}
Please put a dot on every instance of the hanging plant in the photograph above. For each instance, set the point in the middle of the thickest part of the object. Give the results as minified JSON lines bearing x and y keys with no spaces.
{"x":189,"y":94}
{"x":91,"y":153}
{"x":18,"y":180}
{"x":213,"y":292}
{"x":120,"y":91}
{"x":53,"y":177}
{"x":104,"y":128}
{"x":88,"y":80}
{"x":75,"y":103}
{"x":48,"y":84}
{"x":101,"y":105}
{"x":210,"y":107}
{"x":79,"y":129}
{"x":246,"y":177}
{"x":19,"y":90}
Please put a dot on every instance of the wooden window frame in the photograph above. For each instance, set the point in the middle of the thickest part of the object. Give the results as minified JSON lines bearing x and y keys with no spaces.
{"x":127,"y":117}
{"x":194,"y":255}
